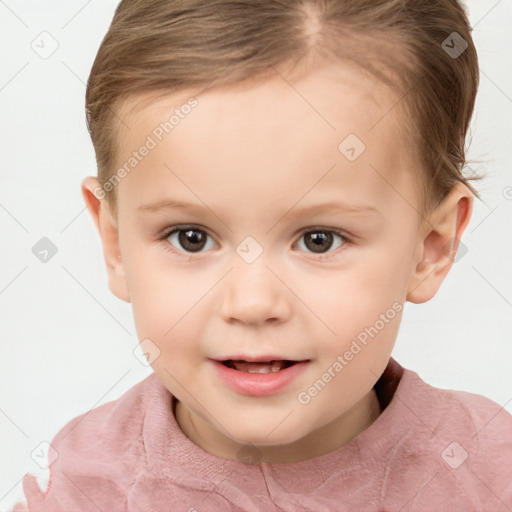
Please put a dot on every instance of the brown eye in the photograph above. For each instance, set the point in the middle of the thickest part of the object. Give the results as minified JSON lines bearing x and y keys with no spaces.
{"x":188,"y":239}
{"x":320,"y":241}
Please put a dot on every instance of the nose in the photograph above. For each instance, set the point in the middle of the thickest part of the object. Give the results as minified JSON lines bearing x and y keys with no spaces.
{"x":254,"y":294}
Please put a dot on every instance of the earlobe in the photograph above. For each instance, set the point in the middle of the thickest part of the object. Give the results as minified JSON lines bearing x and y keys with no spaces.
{"x":108,"y":231}
{"x":439,"y":243}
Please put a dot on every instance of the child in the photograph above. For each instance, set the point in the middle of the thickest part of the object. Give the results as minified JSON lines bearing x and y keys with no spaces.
{"x":233,"y":139}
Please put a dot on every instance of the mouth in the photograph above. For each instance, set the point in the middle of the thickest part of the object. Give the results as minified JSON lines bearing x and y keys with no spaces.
{"x":271,"y":366}
{"x":259,"y":376}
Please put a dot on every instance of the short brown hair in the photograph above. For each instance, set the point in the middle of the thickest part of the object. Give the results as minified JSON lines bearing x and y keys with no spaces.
{"x":421,"y":48}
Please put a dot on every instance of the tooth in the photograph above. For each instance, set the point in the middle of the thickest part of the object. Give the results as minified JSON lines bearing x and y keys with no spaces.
{"x":259,"y":369}
{"x":276,"y":366}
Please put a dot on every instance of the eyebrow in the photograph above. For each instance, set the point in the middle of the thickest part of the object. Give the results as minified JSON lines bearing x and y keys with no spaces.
{"x":331,"y":206}
{"x":334,"y":207}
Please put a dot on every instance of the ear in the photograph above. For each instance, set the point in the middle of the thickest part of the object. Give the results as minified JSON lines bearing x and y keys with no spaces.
{"x":107,"y":228}
{"x":438,"y":243}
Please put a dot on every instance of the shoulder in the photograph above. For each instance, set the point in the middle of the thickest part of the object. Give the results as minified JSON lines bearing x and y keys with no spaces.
{"x":468,"y":414}
{"x":112,"y":424}
{"x":95,"y":457}
{"x":484,"y":426}
{"x":471,"y":438}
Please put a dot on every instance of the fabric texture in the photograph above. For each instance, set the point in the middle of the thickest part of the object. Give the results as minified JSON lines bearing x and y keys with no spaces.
{"x":431,"y":449}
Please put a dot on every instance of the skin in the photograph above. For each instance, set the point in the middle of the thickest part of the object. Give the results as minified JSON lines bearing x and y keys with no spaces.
{"x":256,"y":155}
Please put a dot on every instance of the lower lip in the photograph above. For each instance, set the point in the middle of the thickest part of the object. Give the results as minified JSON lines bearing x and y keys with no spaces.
{"x":259,"y":384}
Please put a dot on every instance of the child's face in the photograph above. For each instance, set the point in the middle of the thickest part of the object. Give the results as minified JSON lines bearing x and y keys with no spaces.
{"x":251,"y":163}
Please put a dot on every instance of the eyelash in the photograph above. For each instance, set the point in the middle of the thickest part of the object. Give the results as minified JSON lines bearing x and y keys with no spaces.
{"x":320,"y":256}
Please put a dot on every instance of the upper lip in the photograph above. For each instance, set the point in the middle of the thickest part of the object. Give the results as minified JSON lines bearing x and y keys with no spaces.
{"x":257,"y":359}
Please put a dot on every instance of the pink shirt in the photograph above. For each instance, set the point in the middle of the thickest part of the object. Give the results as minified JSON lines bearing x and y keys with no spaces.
{"x":430,"y":449}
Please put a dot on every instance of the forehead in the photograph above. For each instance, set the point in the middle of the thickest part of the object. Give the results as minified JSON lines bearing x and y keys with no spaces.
{"x":277,"y":138}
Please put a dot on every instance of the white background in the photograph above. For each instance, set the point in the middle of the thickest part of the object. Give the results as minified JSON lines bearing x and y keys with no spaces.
{"x":67,"y":341}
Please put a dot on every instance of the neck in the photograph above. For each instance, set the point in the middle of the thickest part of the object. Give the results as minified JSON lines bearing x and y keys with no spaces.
{"x":321,"y":441}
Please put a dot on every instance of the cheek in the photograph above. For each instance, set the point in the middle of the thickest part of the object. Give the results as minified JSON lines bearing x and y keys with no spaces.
{"x":164,"y":300}
{"x":358,"y":295}
{"x":362,"y":304}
